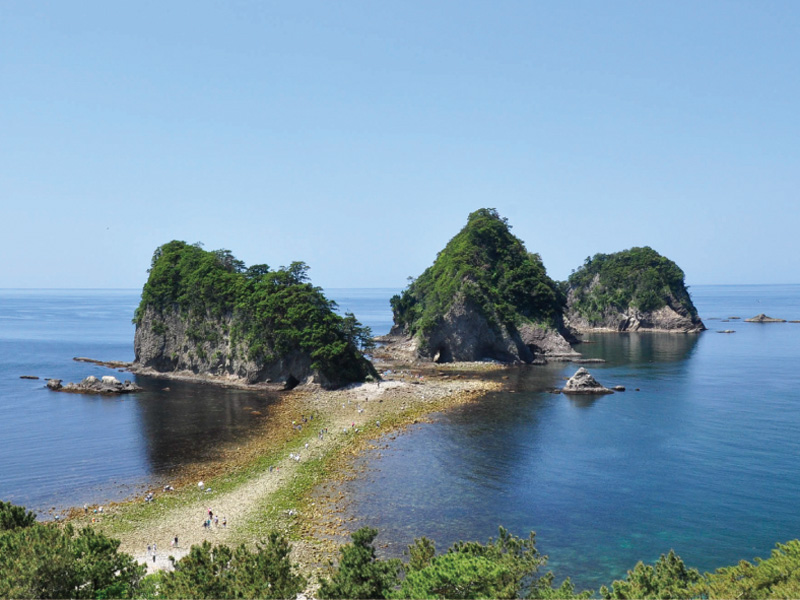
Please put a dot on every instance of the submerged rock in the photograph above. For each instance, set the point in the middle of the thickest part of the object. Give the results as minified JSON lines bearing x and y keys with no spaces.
{"x":93,"y":385}
{"x":584,"y":383}
{"x":762,"y":318}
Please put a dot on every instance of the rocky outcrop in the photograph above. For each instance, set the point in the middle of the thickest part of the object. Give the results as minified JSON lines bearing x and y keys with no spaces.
{"x":484,"y":297}
{"x":107,"y":385}
{"x":673,"y":317}
{"x":169,"y":342}
{"x":464,"y":333}
{"x":205,"y":315}
{"x":632,"y":290}
{"x":582,"y":382}
{"x":762,"y":318}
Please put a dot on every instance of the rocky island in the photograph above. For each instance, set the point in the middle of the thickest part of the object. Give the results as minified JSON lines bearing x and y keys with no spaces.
{"x":206,"y":313}
{"x":762,"y":318}
{"x":485,"y":297}
{"x":633,"y":290}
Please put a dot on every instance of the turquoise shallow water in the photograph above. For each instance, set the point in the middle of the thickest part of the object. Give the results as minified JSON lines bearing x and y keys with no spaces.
{"x":703,"y":459}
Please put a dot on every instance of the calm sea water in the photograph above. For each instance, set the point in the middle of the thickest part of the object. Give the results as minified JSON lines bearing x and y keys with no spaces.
{"x":702,"y":459}
{"x":59,"y":450}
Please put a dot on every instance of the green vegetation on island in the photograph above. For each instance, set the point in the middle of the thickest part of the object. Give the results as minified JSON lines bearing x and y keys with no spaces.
{"x":489,"y":270}
{"x":230,"y":314}
{"x":489,"y":265}
{"x":638,"y":278}
{"x":52,"y":560}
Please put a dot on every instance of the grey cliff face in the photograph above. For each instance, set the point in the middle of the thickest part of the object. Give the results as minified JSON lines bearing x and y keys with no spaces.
{"x":673,"y":317}
{"x":465,"y":334}
{"x":168,"y":342}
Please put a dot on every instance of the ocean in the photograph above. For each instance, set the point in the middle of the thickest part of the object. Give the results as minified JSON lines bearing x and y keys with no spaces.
{"x":699,"y":454}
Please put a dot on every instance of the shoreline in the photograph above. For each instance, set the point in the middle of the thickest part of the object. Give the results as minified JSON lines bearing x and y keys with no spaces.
{"x":261,"y":485}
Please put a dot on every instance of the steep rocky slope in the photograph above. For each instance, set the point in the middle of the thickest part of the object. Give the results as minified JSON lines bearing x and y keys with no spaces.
{"x":205,"y":313}
{"x":632,"y":290}
{"x":485,"y":296}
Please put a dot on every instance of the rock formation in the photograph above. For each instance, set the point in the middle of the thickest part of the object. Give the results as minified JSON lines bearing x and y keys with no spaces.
{"x":762,"y":318}
{"x":484,"y":297}
{"x":632,"y":290}
{"x":204,"y":313}
{"x":92,"y":385}
{"x":583,"y":383}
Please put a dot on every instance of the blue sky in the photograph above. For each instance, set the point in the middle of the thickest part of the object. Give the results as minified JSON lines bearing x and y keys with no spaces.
{"x":357,"y":136}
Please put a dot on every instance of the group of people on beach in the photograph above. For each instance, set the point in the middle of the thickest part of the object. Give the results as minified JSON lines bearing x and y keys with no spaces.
{"x":212,"y":518}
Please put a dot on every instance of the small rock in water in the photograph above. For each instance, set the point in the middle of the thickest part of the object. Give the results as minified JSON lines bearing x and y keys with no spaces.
{"x":762,"y":318}
{"x":583,"y":383}
{"x":28,"y":377}
{"x":618,"y":388}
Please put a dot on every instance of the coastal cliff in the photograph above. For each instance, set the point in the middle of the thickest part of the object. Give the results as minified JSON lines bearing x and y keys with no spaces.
{"x":206,"y":313}
{"x":485,"y":296}
{"x":633,"y":290}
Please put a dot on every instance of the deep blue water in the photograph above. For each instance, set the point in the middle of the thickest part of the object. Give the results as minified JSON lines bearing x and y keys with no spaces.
{"x":702,"y":459}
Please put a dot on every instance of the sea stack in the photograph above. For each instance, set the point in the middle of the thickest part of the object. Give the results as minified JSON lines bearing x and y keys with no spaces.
{"x":633,"y":290}
{"x":485,"y":297}
{"x":205,"y":313}
{"x":583,"y":383}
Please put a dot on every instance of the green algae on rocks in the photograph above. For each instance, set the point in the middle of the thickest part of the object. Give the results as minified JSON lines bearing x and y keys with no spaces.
{"x":485,"y":296}
{"x":207,"y":313}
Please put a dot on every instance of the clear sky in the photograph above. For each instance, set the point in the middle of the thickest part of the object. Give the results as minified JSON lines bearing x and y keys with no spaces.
{"x":357,"y":136}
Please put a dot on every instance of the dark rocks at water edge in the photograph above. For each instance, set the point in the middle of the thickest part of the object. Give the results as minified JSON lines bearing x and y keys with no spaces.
{"x":762,"y":318}
{"x":584,"y":383}
{"x":92,"y":385}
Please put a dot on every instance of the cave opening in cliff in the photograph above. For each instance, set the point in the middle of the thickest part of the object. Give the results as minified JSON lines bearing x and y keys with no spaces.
{"x":443,"y":355}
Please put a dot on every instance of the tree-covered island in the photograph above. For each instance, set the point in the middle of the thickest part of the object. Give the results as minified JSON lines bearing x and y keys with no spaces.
{"x":206,"y":312}
{"x":633,"y":290}
{"x":485,"y":296}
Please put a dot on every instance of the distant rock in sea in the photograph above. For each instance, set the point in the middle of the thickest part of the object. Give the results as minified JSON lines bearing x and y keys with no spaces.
{"x":584,"y":383}
{"x":762,"y":318}
{"x":28,"y":377}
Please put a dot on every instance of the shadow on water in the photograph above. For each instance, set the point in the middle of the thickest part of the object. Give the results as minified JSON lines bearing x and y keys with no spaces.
{"x":625,"y":348}
{"x":184,"y":423}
